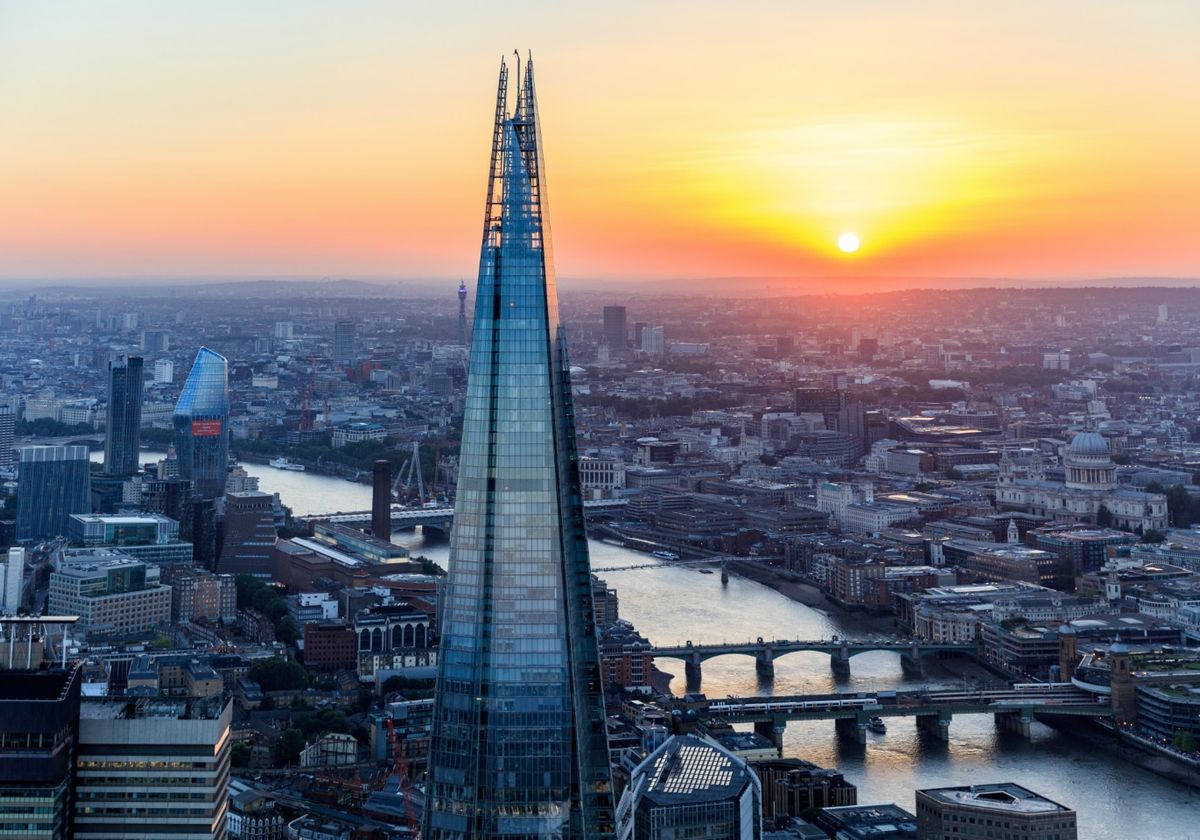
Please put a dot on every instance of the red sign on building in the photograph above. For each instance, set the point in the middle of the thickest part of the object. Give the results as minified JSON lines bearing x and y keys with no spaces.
{"x":206,"y":428}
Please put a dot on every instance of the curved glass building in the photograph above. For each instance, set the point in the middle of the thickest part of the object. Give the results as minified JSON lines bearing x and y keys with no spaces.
{"x":519,"y":746}
{"x":202,"y":425}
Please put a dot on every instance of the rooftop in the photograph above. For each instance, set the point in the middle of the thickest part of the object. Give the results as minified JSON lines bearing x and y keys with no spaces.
{"x":1003,"y":796}
{"x":686,"y":768}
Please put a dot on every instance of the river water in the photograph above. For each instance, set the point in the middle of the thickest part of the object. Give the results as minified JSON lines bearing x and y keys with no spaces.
{"x":1115,"y":800}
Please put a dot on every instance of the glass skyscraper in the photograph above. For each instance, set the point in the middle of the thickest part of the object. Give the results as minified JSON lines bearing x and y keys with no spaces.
{"x":53,"y":482}
{"x":519,"y":747}
{"x":124,"y":427}
{"x":202,"y":426}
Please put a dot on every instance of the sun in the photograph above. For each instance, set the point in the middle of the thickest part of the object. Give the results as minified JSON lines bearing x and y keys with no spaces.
{"x":848,"y":242}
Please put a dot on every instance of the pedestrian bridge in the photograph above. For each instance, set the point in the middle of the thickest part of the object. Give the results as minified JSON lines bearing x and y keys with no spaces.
{"x":1015,"y":708}
{"x":438,"y":516}
{"x":765,"y":652}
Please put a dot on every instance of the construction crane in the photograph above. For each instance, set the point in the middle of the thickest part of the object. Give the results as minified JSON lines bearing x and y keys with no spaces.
{"x":408,"y":470}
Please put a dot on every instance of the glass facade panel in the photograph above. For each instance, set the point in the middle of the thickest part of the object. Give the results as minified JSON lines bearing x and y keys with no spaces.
{"x":519,"y":746}
{"x":202,"y":426}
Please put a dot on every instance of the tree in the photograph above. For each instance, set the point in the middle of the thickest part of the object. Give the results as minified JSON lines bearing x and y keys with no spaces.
{"x":290,"y":746}
{"x":1121,"y":459}
{"x":1184,"y":740}
{"x":239,"y":754}
{"x":278,"y":674}
{"x":1104,"y":517}
{"x":1182,"y":509}
{"x":286,"y":630}
{"x":1154,"y":537}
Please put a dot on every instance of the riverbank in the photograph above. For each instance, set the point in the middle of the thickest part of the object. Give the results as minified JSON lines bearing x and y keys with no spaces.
{"x":811,"y":596}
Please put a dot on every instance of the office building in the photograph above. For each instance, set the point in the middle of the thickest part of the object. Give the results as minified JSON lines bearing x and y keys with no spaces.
{"x":330,"y":646}
{"x":122,"y":436}
{"x":249,"y":535}
{"x":462,"y":314}
{"x":126,"y":529}
{"x":39,"y":730}
{"x":616,"y":331}
{"x":202,"y":426}
{"x":995,"y":810}
{"x":654,"y":340}
{"x":164,"y":372}
{"x":791,"y":787}
{"x":111,"y":596}
{"x":14,"y":581}
{"x":196,"y":594}
{"x":345,"y":339}
{"x":519,"y":745}
{"x":53,"y":482}
{"x":128,"y":780}
{"x":690,"y":787}
{"x":8,"y":432}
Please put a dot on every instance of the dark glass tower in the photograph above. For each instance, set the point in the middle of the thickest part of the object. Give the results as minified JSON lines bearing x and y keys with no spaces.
{"x":202,"y":426}
{"x":124,"y":429}
{"x":519,"y":747}
{"x":53,"y":482}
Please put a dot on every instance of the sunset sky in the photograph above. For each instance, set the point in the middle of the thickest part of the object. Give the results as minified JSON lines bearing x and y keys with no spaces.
{"x":1030,"y":139}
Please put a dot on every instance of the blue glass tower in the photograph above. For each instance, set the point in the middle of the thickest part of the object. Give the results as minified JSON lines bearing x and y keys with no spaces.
{"x":519,"y":747}
{"x":202,"y":426}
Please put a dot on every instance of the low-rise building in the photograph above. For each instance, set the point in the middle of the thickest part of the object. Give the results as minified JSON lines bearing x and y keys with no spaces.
{"x":868,"y":822}
{"x":977,"y":812}
{"x":334,"y":749}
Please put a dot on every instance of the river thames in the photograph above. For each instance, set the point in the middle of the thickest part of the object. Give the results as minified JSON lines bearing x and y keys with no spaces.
{"x":1116,"y":800}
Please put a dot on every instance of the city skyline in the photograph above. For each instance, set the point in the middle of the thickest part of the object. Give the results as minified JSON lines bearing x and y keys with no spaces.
{"x":147,"y":143}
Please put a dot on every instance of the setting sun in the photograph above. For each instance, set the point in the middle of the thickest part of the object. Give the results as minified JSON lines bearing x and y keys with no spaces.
{"x":848,"y":242}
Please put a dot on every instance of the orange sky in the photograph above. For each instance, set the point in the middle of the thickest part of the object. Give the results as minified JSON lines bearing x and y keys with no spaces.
{"x":985,"y":139}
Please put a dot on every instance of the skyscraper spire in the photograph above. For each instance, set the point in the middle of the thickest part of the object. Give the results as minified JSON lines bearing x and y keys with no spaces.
{"x":519,"y":746}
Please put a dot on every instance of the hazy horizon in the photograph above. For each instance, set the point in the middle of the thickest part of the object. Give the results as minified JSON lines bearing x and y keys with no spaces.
{"x":1042,"y":142}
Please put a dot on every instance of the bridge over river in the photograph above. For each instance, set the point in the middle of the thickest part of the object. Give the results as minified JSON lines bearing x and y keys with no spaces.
{"x":1015,"y":708}
{"x":766,"y":651}
{"x":438,"y":516}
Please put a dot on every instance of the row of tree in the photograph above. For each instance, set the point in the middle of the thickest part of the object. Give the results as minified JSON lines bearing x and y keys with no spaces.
{"x":253,"y":593}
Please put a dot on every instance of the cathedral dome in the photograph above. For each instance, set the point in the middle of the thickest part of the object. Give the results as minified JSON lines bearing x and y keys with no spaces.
{"x":1090,"y":444}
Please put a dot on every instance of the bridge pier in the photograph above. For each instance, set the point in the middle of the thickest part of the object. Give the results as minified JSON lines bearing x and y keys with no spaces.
{"x":772,"y":730}
{"x":912,"y":665}
{"x":691,"y":673}
{"x":839,"y":662}
{"x":854,"y":728}
{"x":1019,"y":723}
{"x":764,"y":663}
{"x":936,"y":725}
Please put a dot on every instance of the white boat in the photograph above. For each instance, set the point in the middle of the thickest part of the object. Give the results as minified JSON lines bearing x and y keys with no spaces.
{"x":285,"y":464}
{"x":664,"y":555}
{"x":876,"y":724}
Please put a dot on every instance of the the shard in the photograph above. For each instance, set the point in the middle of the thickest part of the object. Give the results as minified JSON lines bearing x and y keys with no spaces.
{"x":519,"y":746}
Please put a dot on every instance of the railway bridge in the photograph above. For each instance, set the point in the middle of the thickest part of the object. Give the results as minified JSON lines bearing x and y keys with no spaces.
{"x":1015,"y":708}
